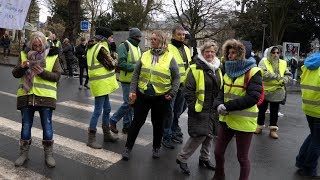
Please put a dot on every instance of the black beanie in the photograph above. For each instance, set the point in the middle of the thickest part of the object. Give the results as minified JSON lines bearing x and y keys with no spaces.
{"x":104,"y":31}
{"x":248,"y":47}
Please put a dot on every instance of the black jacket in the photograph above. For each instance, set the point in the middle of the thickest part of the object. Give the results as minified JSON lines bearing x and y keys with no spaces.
{"x":81,"y":54}
{"x":201,"y":123}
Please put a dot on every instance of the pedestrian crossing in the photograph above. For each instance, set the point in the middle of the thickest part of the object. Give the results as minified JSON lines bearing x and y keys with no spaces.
{"x":7,"y":172}
{"x":75,"y":150}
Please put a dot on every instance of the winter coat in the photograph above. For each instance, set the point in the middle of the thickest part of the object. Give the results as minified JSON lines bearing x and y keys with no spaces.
{"x":81,"y":54}
{"x":201,"y":123}
{"x":5,"y":41}
{"x":123,"y":56}
{"x":54,"y":76}
{"x":68,"y":51}
{"x":279,"y":94}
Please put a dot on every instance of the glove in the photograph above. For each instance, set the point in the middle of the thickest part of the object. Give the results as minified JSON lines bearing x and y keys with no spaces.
{"x":222,"y":110}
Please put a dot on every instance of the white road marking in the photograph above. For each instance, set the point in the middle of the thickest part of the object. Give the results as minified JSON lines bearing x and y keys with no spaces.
{"x":8,"y":94}
{"x":57,"y":117}
{"x":97,"y":158}
{"x":8,"y":171}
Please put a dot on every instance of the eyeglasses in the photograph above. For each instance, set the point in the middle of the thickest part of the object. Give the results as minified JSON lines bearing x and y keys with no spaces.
{"x":275,"y":52}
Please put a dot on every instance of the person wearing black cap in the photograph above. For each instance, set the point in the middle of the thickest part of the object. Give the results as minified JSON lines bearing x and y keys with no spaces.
{"x":128,"y":53}
{"x":101,"y":65}
{"x":82,"y":59}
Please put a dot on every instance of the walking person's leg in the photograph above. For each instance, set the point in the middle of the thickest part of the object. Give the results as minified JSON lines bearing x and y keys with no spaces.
{"x":105,"y":121}
{"x":274,"y":109}
{"x":81,"y":69}
{"x":243,"y":140}
{"x":98,"y":105}
{"x":46,"y":122}
{"x":261,"y":116}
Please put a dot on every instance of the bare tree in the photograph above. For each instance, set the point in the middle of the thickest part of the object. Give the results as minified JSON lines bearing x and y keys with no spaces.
{"x":94,"y":8}
{"x":278,"y":11}
{"x":139,"y":13}
{"x":207,"y":16}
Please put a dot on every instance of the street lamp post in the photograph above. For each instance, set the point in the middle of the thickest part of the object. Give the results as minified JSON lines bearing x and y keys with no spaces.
{"x":264,"y":33}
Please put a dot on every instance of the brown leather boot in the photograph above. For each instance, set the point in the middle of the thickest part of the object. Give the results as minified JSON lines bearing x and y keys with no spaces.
{"x":273,"y":132}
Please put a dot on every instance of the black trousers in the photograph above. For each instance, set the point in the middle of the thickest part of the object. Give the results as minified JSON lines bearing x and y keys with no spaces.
{"x":159,"y":110}
{"x":82,"y":68}
{"x":274,"y":109}
{"x":69,"y":66}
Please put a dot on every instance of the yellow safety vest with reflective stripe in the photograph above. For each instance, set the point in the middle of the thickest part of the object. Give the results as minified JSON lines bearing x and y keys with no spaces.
{"x":134,"y":55}
{"x":273,"y":85}
{"x":200,"y":85}
{"x":41,"y":87}
{"x":158,"y":75}
{"x":177,"y":56}
{"x":102,"y":81}
{"x":310,"y":88}
{"x":244,"y":120}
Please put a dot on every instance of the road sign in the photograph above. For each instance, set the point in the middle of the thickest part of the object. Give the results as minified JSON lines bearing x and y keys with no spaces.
{"x":84,"y":26}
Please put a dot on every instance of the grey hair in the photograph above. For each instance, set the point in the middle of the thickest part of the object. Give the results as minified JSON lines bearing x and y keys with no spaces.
{"x":207,"y":45}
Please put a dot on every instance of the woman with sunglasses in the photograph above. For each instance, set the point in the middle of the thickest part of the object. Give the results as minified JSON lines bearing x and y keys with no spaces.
{"x":275,"y":76}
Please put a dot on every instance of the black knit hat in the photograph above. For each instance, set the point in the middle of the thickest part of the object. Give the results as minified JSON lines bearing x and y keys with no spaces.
{"x":104,"y":31}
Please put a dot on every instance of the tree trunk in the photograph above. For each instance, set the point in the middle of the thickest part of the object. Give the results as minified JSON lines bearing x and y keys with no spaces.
{"x":73,"y":24}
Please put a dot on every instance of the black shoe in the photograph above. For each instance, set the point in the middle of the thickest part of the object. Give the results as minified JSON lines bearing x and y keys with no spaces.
{"x":126,"y":154}
{"x":86,"y":86}
{"x":156,"y":153}
{"x":183,"y":167}
{"x":125,"y":130}
{"x":168,"y":144}
{"x":206,"y":164}
{"x":80,"y":87}
{"x":301,"y":173}
{"x":177,"y":139}
{"x":113,"y":128}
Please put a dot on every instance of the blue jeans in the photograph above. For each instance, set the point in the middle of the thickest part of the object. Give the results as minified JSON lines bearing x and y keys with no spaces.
{"x":124,"y":110}
{"x":177,"y":106}
{"x":99,"y":103}
{"x":27,"y":114}
{"x":309,"y":153}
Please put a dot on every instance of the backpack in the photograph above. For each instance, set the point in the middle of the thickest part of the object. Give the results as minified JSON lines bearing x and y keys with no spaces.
{"x":246,"y":81}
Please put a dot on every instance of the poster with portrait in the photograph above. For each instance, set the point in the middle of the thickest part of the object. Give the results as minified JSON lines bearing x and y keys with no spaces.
{"x":290,"y":50}
{"x":13,"y":13}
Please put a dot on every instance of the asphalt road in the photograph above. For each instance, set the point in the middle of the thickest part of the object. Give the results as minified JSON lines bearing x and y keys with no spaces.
{"x":270,"y":159}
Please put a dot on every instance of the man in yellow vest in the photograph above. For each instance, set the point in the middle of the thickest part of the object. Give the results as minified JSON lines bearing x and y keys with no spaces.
{"x":275,"y":76}
{"x":39,"y":70}
{"x":308,"y":156}
{"x":102,"y":82}
{"x":182,"y":55}
{"x":128,"y":53}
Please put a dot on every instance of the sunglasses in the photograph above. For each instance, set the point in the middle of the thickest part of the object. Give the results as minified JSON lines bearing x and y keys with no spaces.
{"x":275,"y":52}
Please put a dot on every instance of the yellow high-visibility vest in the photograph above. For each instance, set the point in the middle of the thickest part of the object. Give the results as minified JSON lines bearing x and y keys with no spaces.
{"x":102,"y":81}
{"x":177,"y":56}
{"x":244,"y":120}
{"x":273,"y":85}
{"x":310,"y":88}
{"x":159,"y":75}
{"x":134,"y":55}
{"x":41,"y":87}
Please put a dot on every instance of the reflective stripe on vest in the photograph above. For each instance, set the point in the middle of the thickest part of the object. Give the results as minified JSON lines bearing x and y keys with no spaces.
{"x":200,"y":86}
{"x":244,"y":120}
{"x":57,"y":44}
{"x":134,"y":55}
{"x":102,"y":81}
{"x":177,"y":56}
{"x":273,"y":85}
{"x":158,"y":75}
{"x":41,"y":87}
{"x":310,"y":88}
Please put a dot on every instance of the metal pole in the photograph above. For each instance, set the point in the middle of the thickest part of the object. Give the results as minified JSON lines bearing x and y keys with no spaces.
{"x":264,"y":33}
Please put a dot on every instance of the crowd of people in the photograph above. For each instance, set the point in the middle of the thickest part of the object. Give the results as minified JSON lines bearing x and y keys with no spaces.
{"x":225,"y":97}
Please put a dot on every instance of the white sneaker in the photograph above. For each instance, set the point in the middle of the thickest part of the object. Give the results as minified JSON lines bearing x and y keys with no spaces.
{"x":280,"y":114}
{"x":268,"y":111}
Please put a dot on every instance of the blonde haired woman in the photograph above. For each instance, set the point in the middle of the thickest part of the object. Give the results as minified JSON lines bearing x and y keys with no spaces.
{"x":39,"y":70}
{"x":154,"y":83}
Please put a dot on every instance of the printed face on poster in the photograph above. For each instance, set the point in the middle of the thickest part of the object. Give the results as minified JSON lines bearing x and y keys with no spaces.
{"x":290,"y":50}
{"x":13,"y":13}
